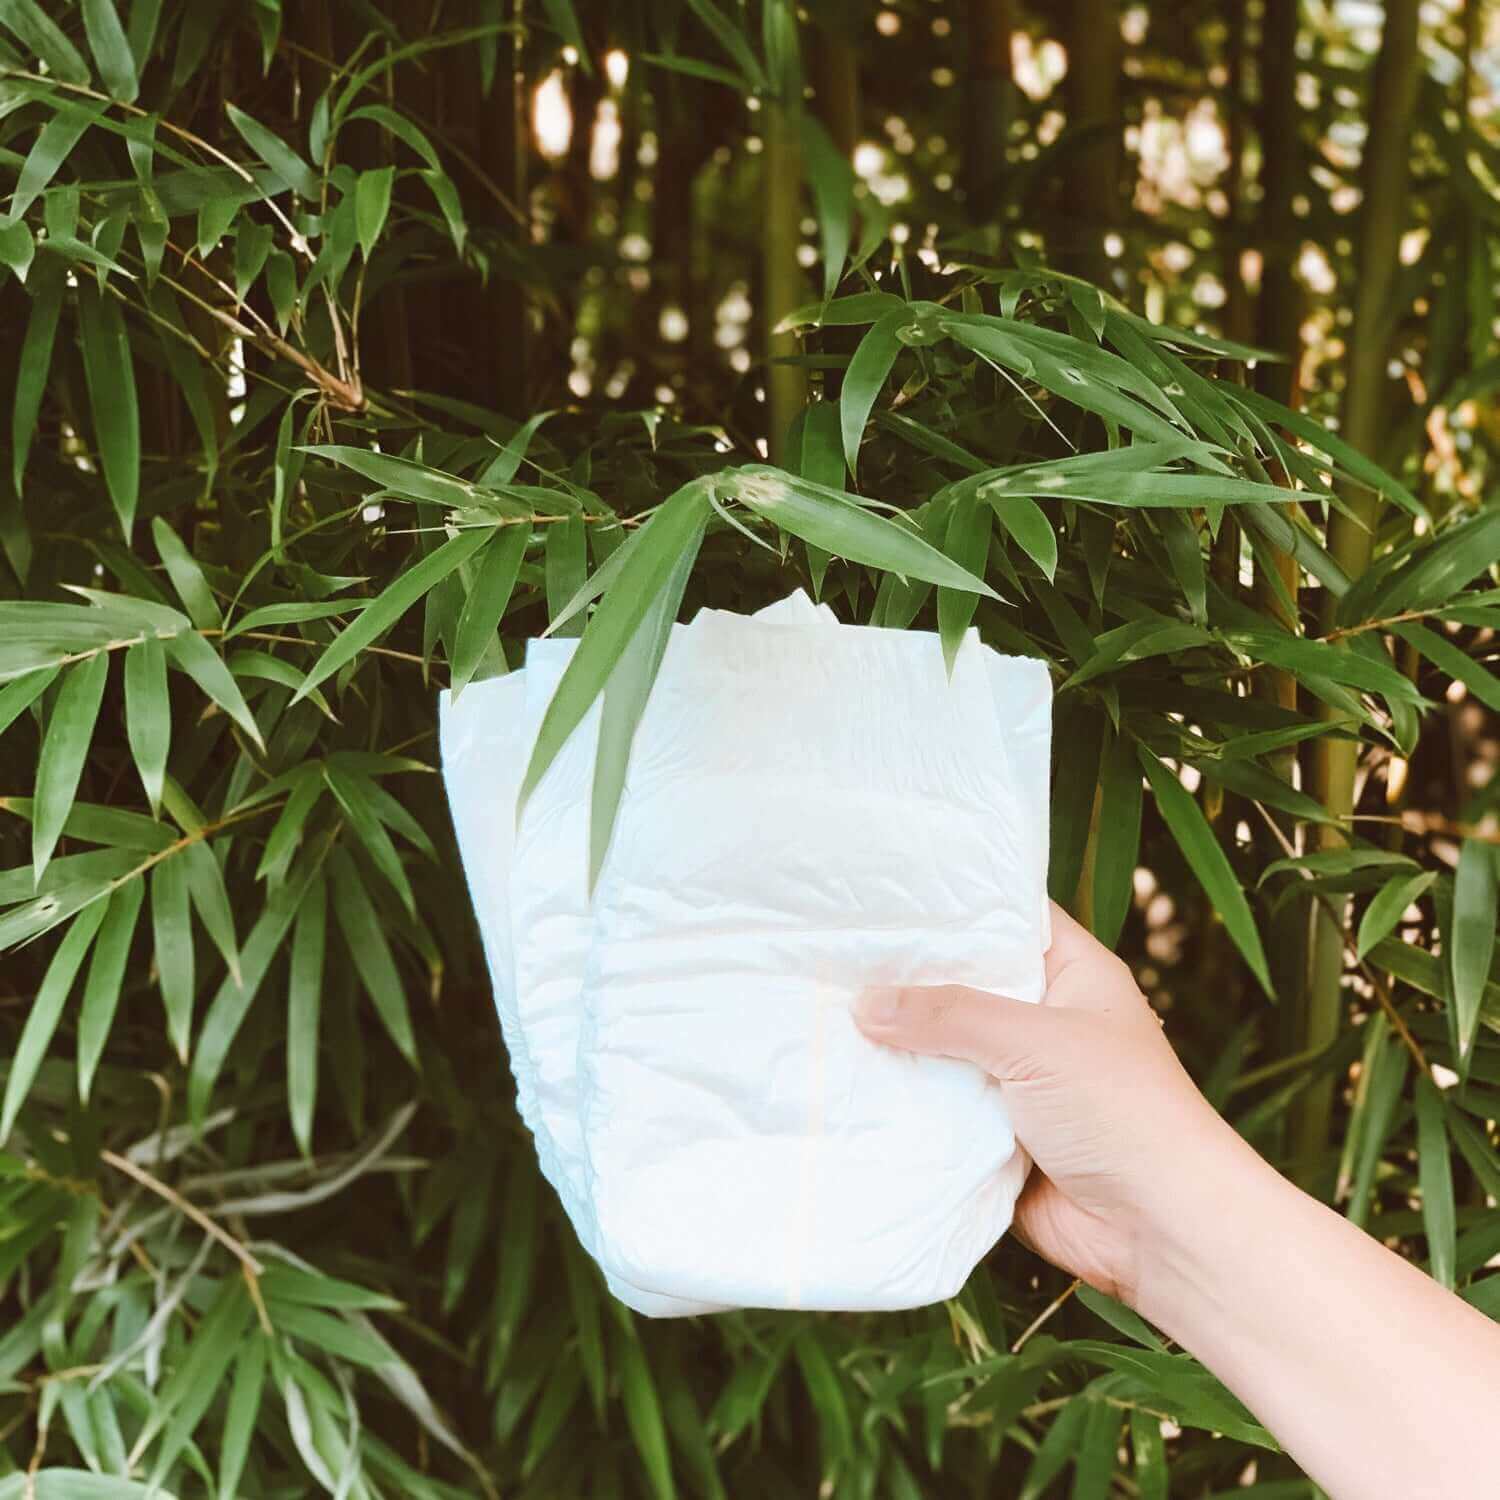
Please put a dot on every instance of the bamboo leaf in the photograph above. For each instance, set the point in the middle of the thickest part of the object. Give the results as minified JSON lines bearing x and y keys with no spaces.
{"x":1207,"y":860}
{"x":1387,"y":906}
{"x":17,"y":696}
{"x":863,"y":379}
{"x":566,"y":567}
{"x":286,"y":166}
{"x":1474,"y":918}
{"x":64,"y":748}
{"x":831,"y":177}
{"x":148,"y":715}
{"x":111,"y":49}
{"x":241,"y":1412}
{"x":205,"y":883}
{"x":46,"y":1009}
{"x":34,"y":366}
{"x":970,"y":525}
{"x":372,"y":202}
{"x":227,"y":1010}
{"x":1118,"y":848}
{"x":1435,"y":1174}
{"x":364,"y":937}
{"x":101,"y":992}
{"x":485,"y":606}
{"x":187,"y":577}
{"x":1026,"y":523}
{"x":644,"y":565}
{"x":352,"y":794}
{"x":109,"y":373}
{"x":843,"y":527}
{"x":625,"y":695}
{"x":643,"y":1415}
{"x":383,"y":612}
{"x":172,"y":938}
{"x":37,"y":33}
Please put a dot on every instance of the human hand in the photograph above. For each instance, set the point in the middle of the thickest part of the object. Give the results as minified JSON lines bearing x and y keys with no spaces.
{"x":1118,"y":1131}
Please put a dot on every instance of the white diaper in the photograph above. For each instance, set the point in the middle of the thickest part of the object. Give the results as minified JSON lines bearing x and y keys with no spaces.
{"x":810,"y":808}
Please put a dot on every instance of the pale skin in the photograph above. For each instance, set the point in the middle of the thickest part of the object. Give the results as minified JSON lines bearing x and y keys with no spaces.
{"x":1378,"y":1382}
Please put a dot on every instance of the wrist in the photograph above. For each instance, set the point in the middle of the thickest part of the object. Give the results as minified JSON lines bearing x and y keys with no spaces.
{"x":1209,"y":1208}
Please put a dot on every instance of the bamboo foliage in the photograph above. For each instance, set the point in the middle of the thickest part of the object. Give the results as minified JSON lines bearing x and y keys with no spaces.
{"x":297,"y":432}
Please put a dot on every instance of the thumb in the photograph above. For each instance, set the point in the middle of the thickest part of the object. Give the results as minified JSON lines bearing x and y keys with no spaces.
{"x":1009,"y":1039}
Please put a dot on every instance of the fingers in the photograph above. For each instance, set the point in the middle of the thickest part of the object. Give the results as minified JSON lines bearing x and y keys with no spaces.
{"x":1009,"y":1039}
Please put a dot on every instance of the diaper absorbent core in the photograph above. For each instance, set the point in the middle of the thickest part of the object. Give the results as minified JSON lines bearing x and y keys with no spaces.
{"x":810,"y":808}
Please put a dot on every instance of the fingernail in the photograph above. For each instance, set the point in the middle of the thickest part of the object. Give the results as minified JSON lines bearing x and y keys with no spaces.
{"x":877,"y":1007}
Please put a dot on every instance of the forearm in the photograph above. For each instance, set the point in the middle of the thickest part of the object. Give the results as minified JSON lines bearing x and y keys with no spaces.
{"x":1367,"y":1372}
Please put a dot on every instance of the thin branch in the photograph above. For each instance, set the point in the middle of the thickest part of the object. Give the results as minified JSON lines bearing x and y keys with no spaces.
{"x":248,"y":1262}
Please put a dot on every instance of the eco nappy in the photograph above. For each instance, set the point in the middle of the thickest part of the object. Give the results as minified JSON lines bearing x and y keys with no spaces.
{"x":810,"y":808}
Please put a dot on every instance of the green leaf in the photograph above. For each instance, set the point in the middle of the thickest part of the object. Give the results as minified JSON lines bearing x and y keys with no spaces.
{"x":643,"y":1415}
{"x":970,"y":525}
{"x":1435,"y":1174}
{"x":286,"y":166}
{"x":38,"y":34}
{"x":1179,"y":534}
{"x":1179,"y":1386}
{"x":205,"y":882}
{"x":1474,"y":918}
{"x":286,"y":835}
{"x":172,"y":938}
{"x":1385,"y":909}
{"x":372,"y":202}
{"x":842,"y":526}
{"x":832,"y":180}
{"x":731,"y":38}
{"x":187,"y":577}
{"x":383,"y":612}
{"x":45,"y":1010}
{"x":827,"y":1395}
{"x":1207,"y":860}
{"x":353,"y":794}
{"x":241,"y":1412}
{"x":364,"y":937}
{"x":1151,"y":1478}
{"x":1095,"y":1461}
{"x":64,"y":749}
{"x":101,"y":992}
{"x":1119,"y":1317}
{"x":17,"y":696}
{"x":109,"y":373}
{"x":625,"y":695}
{"x":566,"y":568}
{"x":485,"y":606}
{"x":1151,"y":635}
{"x":1458,"y":664}
{"x":111,"y":50}
{"x":1382,"y":1075}
{"x":863,"y":379}
{"x":148,"y":715}
{"x":1337,"y":862}
{"x":1350,"y":459}
{"x":640,"y":570}
{"x":53,"y":146}
{"x":1118,"y":848}
{"x":187,"y":1393}
{"x":34,"y":366}
{"x":17,"y":247}
{"x":227,"y":1011}
{"x":1026,"y":523}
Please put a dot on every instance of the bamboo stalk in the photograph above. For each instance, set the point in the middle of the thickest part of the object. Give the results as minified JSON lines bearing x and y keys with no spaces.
{"x":1384,"y":175}
{"x":988,"y":105}
{"x":784,"y":287}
